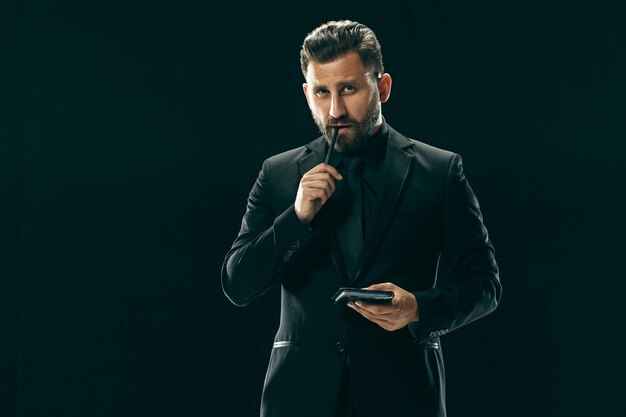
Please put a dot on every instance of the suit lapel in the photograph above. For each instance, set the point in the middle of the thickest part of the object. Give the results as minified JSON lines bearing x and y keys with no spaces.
{"x":313,"y":157}
{"x":397,"y":169}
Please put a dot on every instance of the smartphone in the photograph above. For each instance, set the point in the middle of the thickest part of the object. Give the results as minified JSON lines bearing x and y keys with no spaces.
{"x":346,"y":294}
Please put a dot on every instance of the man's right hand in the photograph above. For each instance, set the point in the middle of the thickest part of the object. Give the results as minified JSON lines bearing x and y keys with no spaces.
{"x":316,"y":187}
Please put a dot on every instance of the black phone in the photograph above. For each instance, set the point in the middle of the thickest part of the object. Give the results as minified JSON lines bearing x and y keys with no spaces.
{"x":369,"y":296}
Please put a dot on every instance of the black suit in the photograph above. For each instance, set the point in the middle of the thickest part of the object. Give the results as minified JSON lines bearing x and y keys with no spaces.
{"x":427,"y":209}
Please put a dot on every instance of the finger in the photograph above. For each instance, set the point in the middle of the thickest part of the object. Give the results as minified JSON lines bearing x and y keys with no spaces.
{"x":325,"y":168}
{"x":316,"y":194}
{"x":333,"y":171}
{"x":323,"y":185}
{"x":323,"y":182}
{"x":386,"y":324}
{"x":377,"y":309}
{"x":370,"y":315}
{"x":385,"y":286}
{"x":318,"y":175}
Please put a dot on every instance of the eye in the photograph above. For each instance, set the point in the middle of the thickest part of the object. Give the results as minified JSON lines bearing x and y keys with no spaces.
{"x":349,"y":88}
{"x":321,"y":92}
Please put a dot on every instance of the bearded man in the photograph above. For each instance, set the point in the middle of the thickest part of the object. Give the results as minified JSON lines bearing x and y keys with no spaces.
{"x":381,"y":214}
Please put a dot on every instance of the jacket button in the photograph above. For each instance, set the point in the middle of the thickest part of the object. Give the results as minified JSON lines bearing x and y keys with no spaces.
{"x":340,"y":347}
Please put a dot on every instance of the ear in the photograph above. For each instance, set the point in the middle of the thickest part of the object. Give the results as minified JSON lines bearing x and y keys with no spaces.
{"x":384,"y":87}
{"x":305,"y":88}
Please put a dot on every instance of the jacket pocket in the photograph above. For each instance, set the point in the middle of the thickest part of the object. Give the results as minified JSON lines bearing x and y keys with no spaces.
{"x":287,"y":344}
{"x":425,"y":344}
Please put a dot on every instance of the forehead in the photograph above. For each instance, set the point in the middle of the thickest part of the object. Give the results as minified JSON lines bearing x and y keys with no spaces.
{"x":346,"y":67}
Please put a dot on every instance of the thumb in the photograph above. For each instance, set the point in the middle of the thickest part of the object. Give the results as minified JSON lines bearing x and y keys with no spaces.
{"x":387,"y":286}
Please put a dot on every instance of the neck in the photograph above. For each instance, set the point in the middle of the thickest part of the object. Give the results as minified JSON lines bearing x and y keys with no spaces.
{"x":378,"y":125}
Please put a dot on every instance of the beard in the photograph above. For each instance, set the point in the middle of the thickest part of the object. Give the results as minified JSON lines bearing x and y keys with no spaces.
{"x":358,"y":134}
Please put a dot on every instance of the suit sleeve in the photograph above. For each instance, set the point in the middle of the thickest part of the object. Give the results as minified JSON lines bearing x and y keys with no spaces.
{"x":474,"y":289}
{"x":267,"y":244}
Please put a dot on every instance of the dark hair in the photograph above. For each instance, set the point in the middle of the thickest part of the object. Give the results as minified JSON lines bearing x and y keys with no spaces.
{"x":334,"y":39}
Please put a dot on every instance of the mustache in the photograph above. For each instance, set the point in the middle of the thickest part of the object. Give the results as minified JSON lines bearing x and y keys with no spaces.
{"x":341,"y":121}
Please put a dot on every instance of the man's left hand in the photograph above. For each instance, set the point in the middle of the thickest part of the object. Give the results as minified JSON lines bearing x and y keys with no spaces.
{"x":402,"y":310}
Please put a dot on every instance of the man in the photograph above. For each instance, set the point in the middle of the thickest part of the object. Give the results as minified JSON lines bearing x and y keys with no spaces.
{"x":380,"y":215}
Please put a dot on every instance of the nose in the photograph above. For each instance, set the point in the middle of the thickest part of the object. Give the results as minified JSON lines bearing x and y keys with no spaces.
{"x":337,"y":106}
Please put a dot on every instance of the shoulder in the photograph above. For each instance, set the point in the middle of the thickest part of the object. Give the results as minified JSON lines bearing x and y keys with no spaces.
{"x":426,"y":156}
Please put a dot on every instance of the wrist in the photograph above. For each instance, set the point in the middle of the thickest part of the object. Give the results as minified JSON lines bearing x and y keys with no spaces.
{"x":415,"y":309}
{"x":302,"y":219}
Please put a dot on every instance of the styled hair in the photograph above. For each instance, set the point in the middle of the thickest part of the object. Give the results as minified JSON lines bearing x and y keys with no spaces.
{"x":335,"y":39}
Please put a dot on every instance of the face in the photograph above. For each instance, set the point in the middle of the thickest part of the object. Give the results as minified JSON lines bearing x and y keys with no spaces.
{"x":343,"y":94}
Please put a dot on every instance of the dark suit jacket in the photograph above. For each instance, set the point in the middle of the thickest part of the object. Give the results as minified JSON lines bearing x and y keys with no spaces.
{"x":427,"y":211}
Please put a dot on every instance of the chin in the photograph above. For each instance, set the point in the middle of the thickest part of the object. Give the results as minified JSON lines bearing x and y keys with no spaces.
{"x":347,"y":146}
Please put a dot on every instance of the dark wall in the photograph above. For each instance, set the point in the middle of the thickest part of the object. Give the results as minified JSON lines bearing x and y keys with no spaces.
{"x":133,"y":131}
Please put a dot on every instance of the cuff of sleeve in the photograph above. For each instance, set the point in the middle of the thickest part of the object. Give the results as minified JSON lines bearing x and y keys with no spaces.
{"x":428,"y":326}
{"x":291,"y":235}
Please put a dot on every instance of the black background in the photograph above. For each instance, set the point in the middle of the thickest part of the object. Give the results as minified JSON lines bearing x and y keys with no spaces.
{"x":133,"y":131}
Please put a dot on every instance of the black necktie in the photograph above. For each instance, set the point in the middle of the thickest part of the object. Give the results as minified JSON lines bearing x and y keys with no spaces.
{"x":350,"y":227}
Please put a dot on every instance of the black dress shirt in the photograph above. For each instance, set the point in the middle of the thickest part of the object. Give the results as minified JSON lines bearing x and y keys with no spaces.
{"x":373,"y":156}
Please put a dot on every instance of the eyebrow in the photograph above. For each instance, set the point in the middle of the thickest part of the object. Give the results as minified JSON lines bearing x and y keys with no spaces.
{"x":350,"y":81}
